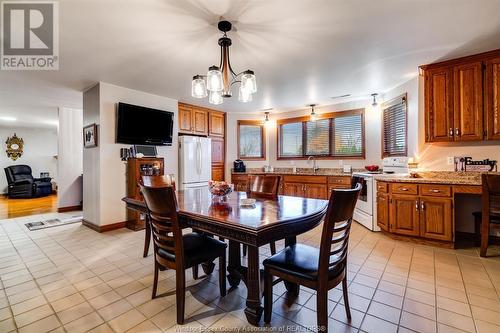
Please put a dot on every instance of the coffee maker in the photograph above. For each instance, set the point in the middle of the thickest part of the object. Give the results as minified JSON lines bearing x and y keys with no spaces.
{"x":239,"y":166}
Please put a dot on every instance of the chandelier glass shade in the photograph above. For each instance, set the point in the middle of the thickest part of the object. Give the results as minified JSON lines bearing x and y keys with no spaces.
{"x":219,"y":79}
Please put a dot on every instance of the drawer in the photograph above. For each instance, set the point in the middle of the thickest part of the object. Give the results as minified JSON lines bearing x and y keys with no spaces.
{"x":435,"y":190}
{"x":339,"y":180}
{"x":239,"y":177}
{"x":403,"y":188}
{"x":382,"y":187}
{"x":305,"y":179}
{"x":336,"y":187}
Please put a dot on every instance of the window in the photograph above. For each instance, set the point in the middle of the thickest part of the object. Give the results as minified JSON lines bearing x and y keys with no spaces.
{"x":251,"y":138}
{"x":394,"y":127}
{"x":333,"y":135}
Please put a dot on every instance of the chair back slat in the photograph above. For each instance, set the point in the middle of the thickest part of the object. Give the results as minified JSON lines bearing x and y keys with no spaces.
{"x":161,"y":202}
{"x":336,"y":228}
{"x":159,"y":181}
{"x":491,"y":194}
{"x":264,"y":186}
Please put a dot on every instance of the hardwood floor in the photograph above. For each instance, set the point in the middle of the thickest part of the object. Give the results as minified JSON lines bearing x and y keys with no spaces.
{"x":10,"y":208}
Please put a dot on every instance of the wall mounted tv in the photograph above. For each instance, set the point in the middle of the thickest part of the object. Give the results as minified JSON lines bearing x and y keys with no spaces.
{"x":143,"y":126}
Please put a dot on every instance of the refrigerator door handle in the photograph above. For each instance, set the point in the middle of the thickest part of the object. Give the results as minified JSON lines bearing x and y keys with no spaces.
{"x":198,"y":159}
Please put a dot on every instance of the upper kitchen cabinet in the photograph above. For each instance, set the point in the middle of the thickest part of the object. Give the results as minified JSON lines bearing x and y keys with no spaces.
{"x":193,"y":119}
{"x":461,"y":98}
{"x":216,"y":122}
{"x":438,"y":105}
{"x":468,"y":101}
{"x":492,"y":98}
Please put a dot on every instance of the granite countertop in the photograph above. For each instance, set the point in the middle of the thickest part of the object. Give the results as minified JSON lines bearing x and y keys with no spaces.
{"x":436,"y":177}
{"x":300,"y":172}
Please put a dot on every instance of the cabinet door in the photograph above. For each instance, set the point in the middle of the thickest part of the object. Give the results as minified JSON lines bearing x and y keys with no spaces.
{"x":200,"y":121}
{"x":468,"y":93}
{"x":383,"y":211}
{"x":492,"y":99}
{"x":216,"y":123}
{"x":436,"y":218}
{"x":438,"y":105}
{"x":294,"y":189}
{"x":185,"y":119}
{"x":218,"y":173}
{"x":315,"y":191}
{"x":404,"y":218}
{"x":217,"y":151}
{"x":240,"y":186}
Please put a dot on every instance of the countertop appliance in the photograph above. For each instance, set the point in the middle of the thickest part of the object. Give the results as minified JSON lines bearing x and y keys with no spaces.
{"x":195,"y":161}
{"x":366,"y":207}
{"x":239,"y":166}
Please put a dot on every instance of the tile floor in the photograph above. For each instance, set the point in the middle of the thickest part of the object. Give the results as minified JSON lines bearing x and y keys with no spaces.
{"x":73,"y":279}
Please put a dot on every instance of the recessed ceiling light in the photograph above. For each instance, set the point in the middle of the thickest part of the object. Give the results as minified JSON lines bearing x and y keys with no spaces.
{"x":340,"y":96}
{"x":6,"y":118}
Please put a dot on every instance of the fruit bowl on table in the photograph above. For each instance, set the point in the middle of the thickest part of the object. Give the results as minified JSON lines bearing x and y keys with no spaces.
{"x":219,"y":189}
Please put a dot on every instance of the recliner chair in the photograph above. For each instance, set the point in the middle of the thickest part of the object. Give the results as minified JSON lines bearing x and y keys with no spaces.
{"x":21,"y":183}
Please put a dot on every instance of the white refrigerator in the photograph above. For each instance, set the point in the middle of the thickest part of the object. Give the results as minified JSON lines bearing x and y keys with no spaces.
{"x":195,"y":161}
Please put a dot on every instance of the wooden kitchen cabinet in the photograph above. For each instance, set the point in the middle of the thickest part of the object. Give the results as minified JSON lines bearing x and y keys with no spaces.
{"x":492,"y":99}
{"x":404,"y":215}
{"x":316,"y":191}
{"x":216,"y":123}
{"x":193,"y":119}
{"x":438,"y":105}
{"x":436,"y":218}
{"x":383,"y":211}
{"x":293,"y":189}
{"x":200,"y":122}
{"x":185,"y":118}
{"x":218,"y":158}
{"x":461,"y":98}
{"x":468,"y":102}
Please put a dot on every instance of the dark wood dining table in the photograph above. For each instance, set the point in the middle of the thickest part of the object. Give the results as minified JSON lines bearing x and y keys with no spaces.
{"x":267,"y":221}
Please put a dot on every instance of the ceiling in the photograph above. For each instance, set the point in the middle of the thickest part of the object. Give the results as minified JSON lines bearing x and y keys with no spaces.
{"x":301,"y":51}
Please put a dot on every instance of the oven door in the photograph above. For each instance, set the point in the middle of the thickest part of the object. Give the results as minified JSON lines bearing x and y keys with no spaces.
{"x":365,"y":200}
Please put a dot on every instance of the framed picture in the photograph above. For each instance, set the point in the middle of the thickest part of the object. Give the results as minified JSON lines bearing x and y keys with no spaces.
{"x":90,"y":136}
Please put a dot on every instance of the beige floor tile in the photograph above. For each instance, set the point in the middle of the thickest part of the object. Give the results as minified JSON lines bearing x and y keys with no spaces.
{"x":442,"y":328}
{"x":127,"y":320}
{"x":7,"y":325}
{"x":454,"y":306}
{"x":486,"y":327}
{"x":484,"y":302}
{"x":60,"y":293}
{"x":421,"y":309}
{"x":420,"y":296}
{"x":28,"y":305}
{"x":166,"y":318}
{"x":486,"y":315}
{"x":75,"y":312}
{"x":84,"y":323}
{"x":67,"y":302}
{"x":104,"y":299}
{"x":340,"y":315}
{"x":145,"y":326}
{"x":114,"y":309}
{"x":104,"y":328}
{"x":43,"y":325}
{"x":375,"y":325}
{"x":417,"y":323}
{"x":33,"y":315}
{"x":95,"y":291}
{"x":385,"y":312}
{"x":455,"y":320}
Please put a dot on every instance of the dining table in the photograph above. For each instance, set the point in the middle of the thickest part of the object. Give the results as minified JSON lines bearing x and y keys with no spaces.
{"x":255,"y":225}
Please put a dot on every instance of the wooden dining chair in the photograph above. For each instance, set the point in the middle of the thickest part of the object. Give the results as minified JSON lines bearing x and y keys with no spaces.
{"x":154,"y":181}
{"x":263,"y":187}
{"x":174,"y":250}
{"x":319,"y":269}
{"x":490,"y":214}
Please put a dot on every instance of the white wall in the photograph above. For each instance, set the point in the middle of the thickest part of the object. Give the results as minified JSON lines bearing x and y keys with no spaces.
{"x":106,"y":167}
{"x":40,"y":149}
{"x":70,"y":158}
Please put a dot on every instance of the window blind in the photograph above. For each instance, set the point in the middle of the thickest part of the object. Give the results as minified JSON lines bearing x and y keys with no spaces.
{"x":395,"y":128}
{"x":347,"y":136}
{"x":291,"y":139}
{"x":250,"y":141}
{"x":317,"y":137}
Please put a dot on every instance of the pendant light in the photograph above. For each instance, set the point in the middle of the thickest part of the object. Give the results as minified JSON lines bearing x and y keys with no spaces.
{"x":374,"y":103}
{"x":219,"y":79}
{"x":313,"y":114}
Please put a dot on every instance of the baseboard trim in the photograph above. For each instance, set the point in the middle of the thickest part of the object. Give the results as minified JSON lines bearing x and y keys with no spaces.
{"x":495,"y":240}
{"x":69,"y":208}
{"x":104,"y":228}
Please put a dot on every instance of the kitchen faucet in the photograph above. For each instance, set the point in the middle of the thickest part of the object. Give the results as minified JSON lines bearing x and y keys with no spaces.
{"x":315,"y":168}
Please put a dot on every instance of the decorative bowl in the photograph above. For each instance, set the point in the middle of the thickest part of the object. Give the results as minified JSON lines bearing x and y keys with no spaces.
{"x":372,"y":168}
{"x":219,"y":189}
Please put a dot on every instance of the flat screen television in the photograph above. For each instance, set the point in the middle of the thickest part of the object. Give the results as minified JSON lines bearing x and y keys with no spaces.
{"x":143,"y":126}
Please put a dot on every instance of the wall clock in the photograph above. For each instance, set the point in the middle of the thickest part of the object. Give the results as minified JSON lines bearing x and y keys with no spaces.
{"x":15,"y":147}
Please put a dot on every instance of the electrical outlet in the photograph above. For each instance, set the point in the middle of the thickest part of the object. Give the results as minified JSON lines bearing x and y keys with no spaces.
{"x":450,"y":160}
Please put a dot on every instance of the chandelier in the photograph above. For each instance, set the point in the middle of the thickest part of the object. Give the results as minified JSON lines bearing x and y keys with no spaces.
{"x":219,"y":79}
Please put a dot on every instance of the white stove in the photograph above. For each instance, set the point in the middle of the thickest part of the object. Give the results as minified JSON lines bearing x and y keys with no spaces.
{"x":366,"y":207}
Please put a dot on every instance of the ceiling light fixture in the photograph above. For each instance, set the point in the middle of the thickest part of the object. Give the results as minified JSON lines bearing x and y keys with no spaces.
{"x":313,"y":115}
{"x":219,"y":79}
{"x":266,"y":115}
{"x":374,"y":103}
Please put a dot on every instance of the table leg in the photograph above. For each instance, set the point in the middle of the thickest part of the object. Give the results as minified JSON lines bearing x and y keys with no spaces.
{"x":208,"y":267}
{"x":147,"y":240}
{"x":253,"y":310}
{"x":292,"y":288}
{"x":234,"y":264}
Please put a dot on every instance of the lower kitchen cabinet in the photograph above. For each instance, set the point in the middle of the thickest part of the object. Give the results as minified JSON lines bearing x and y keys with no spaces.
{"x":436,"y":218}
{"x":404,"y":218}
{"x":293,"y":189}
{"x":383,"y":211}
{"x":316,"y":191}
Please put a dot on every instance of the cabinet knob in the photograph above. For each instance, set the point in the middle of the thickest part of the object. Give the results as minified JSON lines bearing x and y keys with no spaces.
{"x":416,"y":205}
{"x":434,"y":191}
{"x":422,"y":206}
{"x":451,"y":131}
{"x":457,"y":131}
{"x":403,"y":189}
